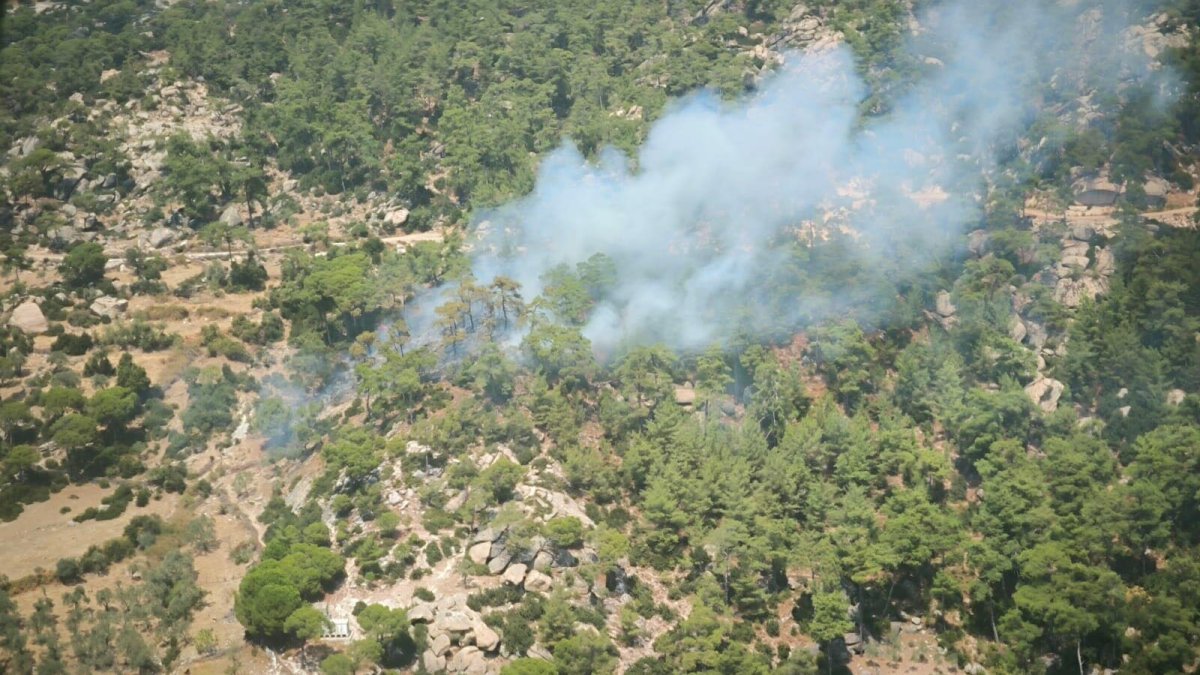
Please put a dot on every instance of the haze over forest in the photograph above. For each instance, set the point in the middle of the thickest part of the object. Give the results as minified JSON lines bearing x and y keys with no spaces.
{"x":530,"y":337}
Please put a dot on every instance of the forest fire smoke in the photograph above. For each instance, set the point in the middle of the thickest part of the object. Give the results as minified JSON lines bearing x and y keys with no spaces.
{"x":748,"y":173}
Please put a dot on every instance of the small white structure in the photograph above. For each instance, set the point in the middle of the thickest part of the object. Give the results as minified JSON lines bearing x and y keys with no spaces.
{"x":338,"y":629}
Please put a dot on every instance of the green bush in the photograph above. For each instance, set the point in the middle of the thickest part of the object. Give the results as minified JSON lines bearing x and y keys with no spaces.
{"x":72,"y":344}
{"x":564,"y":532}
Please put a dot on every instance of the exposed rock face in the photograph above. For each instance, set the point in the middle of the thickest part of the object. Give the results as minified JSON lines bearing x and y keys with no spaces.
{"x":479,"y":552}
{"x":1036,"y":335}
{"x":977,"y":242}
{"x":944,"y":306}
{"x":486,"y":534}
{"x":1097,"y":191}
{"x":422,"y":613}
{"x":1082,"y":232}
{"x":1074,"y":254}
{"x":1176,"y":396}
{"x":432,"y":662}
{"x":1017,"y":330}
{"x":801,"y":28}
{"x":468,"y":660}
{"x":1071,"y":292}
{"x":553,"y":503}
{"x":1106,"y":263}
{"x":853,"y":642}
{"x":515,"y":574}
{"x":454,"y":622}
{"x":64,"y":234}
{"x":231,"y":216}
{"x":1045,"y":392}
{"x":537,"y":582}
{"x":497,"y":564}
{"x":485,"y":638}
{"x":1157,"y":190}
{"x":109,"y":306}
{"x":1151,"y":39}
{"x":25,"y":146}
{"x":160,"y":237}
{"x":396,"y":218}
{"x":28,"y":318}
{"x":415,"y":448}
{"x":440,"y":645}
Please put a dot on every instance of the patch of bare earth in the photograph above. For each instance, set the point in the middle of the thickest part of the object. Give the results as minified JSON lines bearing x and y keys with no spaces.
{"x":41,"y":535}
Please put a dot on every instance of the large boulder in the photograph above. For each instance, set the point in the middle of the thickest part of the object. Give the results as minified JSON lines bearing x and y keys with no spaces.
{"x":944,"y":306}
{"x":1017,"y":330}
{"x":108,"y":306}
{"x":64,"y":234}
{"x":497,"y":564}
{"x":537,"y":582}
{"x":396,"y":218}
{"x":160,"y":237}
{"x":415,"y":448}
{"x":439,"y":646}
{"x":479,"y":552}
{"x":468,"y":660}
{"x":977,"y":242}
{"x":454,"y":622}
{"x":1097,"y":191}
{"x":24,"y":147}
{"x":485,"y":638}
{"x":515,"y":574}
{"x":1071,"y":292}
{"x":1045,"y":392}
{"x":422,"y":613}
{"x":28,"y":318}
{"x":486,"y":534}
{"x":1106,"y":262}
{"x":854,"y":642}
{"x":231,"y":216}
{"x":433,"y":663}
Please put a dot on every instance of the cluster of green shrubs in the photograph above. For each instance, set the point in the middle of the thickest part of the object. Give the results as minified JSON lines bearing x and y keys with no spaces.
{"x":115,"y":504}
{"x":140,"y":533}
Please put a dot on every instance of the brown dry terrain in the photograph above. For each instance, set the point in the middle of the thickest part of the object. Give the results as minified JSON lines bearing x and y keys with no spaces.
{"x":42,"y":535}
{"x":242,"y":477}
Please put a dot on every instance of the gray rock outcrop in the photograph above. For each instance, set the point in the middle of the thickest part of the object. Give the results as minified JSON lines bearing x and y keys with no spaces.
{"x":109,"y":307}
{"x":29,"y":319}
{"x":1045,"y":392}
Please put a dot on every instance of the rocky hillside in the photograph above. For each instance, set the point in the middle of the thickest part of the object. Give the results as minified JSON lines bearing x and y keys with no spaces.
{"x":266,"y":407}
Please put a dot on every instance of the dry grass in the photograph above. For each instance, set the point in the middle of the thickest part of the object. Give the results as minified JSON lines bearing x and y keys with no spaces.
{"x":213,"y":312}
{"x":164,"y":312}
{"x":42,"y":535}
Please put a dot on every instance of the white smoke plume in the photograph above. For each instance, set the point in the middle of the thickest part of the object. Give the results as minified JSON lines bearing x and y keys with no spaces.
{"x":712,"y":206}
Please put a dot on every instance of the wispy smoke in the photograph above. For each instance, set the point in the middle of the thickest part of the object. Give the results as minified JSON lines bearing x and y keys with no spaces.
{"x":714,"y":202}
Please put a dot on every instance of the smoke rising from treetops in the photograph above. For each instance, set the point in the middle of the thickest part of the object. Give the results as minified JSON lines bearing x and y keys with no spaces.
{"x":702,"y":225}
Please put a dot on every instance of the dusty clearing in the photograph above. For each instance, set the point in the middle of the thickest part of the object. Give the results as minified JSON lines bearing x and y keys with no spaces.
{"x":42,"y":535}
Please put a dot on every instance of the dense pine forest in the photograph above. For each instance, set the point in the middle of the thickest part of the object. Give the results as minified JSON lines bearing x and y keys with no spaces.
{"x":535,"y":337}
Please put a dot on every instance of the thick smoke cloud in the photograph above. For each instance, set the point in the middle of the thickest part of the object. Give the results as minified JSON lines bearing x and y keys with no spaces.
{"x":709,"y":209}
